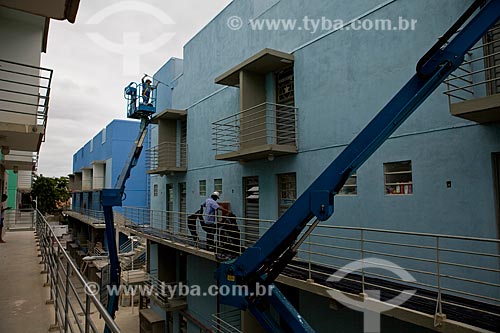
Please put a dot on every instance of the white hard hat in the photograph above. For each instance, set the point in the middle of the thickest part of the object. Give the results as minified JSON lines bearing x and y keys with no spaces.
{"x":217,"y":194}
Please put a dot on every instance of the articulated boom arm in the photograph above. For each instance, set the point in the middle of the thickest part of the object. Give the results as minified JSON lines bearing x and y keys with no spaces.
{"x":113,"y":197}
{"x":267,"y":258}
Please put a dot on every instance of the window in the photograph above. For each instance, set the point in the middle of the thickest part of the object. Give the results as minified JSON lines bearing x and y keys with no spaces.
{"x":155,"y":190}
{"x":103,"y":136}
{"x":91,"y":145}
{"x":351,"y":186}
{"x":287,"y":187}
{"x":398,"y":178}
{"x":203,"y":188}
{"x":285,"y":116}
{"x":218,"y":185}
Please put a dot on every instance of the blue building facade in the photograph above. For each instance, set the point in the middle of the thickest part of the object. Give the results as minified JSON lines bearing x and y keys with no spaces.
{"x":100,"y":161}
{"x":313,"y":92}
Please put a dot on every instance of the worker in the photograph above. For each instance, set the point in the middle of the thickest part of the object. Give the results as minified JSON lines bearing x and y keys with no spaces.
{"x":147,"y":88}
{"x":211,"y":207}
{"x":2,"y":214}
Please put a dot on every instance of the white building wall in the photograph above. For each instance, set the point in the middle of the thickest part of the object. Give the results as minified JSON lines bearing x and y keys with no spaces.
{"x":98,"y":176}
{"x":87,"y":179}
{"x":24,"y":178}
{"x":108,"y":173}
{"x":21,"y":35}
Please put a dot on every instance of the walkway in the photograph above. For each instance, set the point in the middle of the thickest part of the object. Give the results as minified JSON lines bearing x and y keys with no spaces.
{"x":22,"y":295}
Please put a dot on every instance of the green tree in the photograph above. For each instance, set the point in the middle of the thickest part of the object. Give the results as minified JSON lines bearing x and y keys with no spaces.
{"x":50,"y":192}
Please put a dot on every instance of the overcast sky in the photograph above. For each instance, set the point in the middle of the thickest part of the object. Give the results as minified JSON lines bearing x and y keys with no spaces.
{"x":89,"y":71}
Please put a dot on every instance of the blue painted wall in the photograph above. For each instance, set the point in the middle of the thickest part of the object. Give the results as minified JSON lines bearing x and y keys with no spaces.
{"x":342,"y":80}
{"x":120,"y":135}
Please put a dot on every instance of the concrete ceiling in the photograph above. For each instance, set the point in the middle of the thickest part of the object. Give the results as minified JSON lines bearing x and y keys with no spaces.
{"x":19,"y":160}
{"x":55,"y":9}
{"x":21,"y":137}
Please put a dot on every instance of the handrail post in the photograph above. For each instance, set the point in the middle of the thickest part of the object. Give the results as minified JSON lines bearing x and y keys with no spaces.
{"x":87,"y":313}
{"x":363,"y":262}
{"x":56,"y":284}
{"x":66,"y":305}
{"x":51,"y":257}
{"x":439,"y":317}
{"x":310,"y":279}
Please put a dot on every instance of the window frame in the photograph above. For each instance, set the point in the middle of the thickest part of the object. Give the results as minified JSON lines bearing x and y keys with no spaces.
{"x":202,"y":189}
{"x":281,"y":190}
{"x":218,"y":187}
{"x":395,"y":186}
{"x":343,"y":191}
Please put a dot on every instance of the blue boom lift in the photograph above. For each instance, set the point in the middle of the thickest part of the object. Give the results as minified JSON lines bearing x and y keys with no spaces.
{"x":141,"y":104}
{"x":266,"y":259}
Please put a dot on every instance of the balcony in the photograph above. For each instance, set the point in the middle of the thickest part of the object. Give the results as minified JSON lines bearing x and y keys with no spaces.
{"x":91,"y":217}
{"x":75,"y":181}
{"x":456,"y":279}
{"x":24,"y":102}
{"x":228,"y":321}
{"x":21,"y":160}
{"x":170,"y":155}
{"x":166,"y":158}
{"x":263,"y":131}
{"x":87,"y":178}
{"x":166,"y":295}
{"x":474,"y":89}
{"x":57,"y":9}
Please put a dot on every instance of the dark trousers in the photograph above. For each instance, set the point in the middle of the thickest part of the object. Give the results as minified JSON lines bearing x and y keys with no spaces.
{"x":210,"y":228}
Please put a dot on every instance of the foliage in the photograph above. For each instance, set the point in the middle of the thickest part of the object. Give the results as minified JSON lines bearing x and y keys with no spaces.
{"x":51,"y":193}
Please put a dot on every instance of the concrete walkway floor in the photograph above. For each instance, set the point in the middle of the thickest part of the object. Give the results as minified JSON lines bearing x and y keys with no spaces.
{"x":22,"y":295}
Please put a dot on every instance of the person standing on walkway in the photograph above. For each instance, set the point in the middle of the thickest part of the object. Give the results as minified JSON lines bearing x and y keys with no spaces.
{"x":211,"y":208}
{"x":3,"y":208}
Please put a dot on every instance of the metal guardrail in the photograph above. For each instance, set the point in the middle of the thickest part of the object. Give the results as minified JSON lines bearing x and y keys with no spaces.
{"x":448,"y":269}
{"x":266,"y":123}
{"x":166,"y":155}
{"x":161,"y":290}
{"x":25,"y":90}
{"x":227,"y":322}
{"x":21,"y":219}
{"x":479,"y":74}
{"x":89,"y":215}
{"x":67,"y":286}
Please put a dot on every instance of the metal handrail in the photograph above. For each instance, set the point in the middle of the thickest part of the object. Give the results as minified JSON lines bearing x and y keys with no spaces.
{"x":19,"y":218}
{"x":478,"y":76}
{"x":227,"y":322}
{"x":24,"y":86}
{"x":92,"y":216}
{"x":62,"y":274}
{"x":166,"y":154}
{"x":461,"y":266}
{"x":268,"y":123}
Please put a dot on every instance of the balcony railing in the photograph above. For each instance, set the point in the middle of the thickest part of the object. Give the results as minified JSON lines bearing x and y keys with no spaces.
{"x":167,"y":157}
{"x":453,"y":275}
{"x":25,"y":92}
{"x":21,"y":160}
{"x":266,"y":127}
{"x":477,"y":79}
{"x":87,"y":215}
{"x":227,"y":322}
{"x":20,"y":219}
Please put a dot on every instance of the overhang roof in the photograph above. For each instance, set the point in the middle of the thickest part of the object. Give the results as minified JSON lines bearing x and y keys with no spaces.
{"x":55,"y":9}
{"x":265,"y":61}
{"x":171,"y":114}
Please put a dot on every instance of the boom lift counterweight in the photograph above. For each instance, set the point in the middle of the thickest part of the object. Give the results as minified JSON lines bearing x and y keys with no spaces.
{"x":266,"y":259}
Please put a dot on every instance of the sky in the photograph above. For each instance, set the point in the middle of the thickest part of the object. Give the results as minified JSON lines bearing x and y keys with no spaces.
{"x":111,"y":44}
